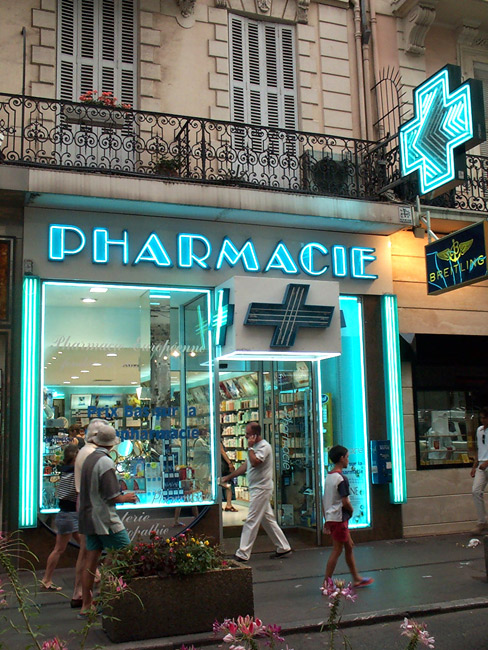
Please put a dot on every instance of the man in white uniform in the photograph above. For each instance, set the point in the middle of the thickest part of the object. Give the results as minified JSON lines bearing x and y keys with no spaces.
{"x":260,"y":481}
{"x":479,"y":471}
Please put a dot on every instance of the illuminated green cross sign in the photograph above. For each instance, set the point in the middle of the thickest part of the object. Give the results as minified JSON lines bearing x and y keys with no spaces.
{"x":449,"y":118}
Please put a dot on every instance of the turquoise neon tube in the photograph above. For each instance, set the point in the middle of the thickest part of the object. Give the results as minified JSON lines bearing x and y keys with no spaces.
{"x":393,"y":391}
{"x":30,"y":404}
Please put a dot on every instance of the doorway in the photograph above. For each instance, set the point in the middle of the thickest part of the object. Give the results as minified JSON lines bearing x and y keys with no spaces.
{"x":280,"y":395}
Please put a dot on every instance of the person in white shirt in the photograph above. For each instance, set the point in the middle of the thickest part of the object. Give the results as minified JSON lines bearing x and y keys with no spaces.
{"x":259,"y":470}
{"x":479,"y":471}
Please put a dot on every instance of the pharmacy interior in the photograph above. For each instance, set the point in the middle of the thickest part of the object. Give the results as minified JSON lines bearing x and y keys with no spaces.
{"x":148,"y":357}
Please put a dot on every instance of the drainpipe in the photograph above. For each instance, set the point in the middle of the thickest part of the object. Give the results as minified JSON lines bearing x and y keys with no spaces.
{"x":376,"y":57}
{"x":359,"y":67}
{"x":366,"y":37}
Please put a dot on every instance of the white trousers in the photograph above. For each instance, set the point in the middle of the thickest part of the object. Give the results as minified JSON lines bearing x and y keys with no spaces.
{"x":260,"y":512}
{"x":479,"y":484}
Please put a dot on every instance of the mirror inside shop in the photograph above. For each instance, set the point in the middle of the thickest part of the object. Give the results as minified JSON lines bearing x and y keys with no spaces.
{"x":138,"y":358}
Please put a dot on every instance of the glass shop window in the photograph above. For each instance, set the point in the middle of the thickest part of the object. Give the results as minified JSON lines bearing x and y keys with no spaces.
{"x":450,"y":387}
{"x":140,"y":358}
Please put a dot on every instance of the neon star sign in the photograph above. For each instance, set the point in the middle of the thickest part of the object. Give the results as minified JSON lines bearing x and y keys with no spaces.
{"x":449,"y":118}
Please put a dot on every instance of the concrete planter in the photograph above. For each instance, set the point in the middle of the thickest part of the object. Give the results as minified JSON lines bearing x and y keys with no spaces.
{"x":99,"y":116}
{"x":178,"y":605}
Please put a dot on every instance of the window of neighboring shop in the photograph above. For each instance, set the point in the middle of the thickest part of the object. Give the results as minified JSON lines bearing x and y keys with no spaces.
{"x":344,"y":417}
{"x":139,"y":357}
{"x":450,"y":387}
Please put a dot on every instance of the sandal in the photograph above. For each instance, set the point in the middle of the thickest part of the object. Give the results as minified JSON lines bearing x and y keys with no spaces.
{"x":76,"y":603}
{"x":231,"y":509}
{"x":51,"y":587}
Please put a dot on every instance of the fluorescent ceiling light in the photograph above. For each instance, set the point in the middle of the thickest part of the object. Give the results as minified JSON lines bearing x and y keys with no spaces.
{"x":74,"y":377}
{"x":66,"y":382}
{"x":96,"y":364}
{"x":98,"y":290}
{"x":84,"y":371}
{"x":111,"y":354}
{"x":88,"y":300}
{"x":266,"y":355}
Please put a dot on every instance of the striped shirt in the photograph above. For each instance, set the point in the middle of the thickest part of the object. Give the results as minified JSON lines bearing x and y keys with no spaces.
{"x":99,"y":487}
{"x":66,"y":490}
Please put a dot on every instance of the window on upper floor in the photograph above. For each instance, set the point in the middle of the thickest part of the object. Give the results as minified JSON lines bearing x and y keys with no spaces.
{"x":481,"y":73}
{"x":96,"y":48}
{"x":263,"y":75}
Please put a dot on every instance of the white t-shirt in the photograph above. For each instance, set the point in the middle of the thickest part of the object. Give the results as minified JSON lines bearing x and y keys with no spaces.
{"x":336,"y":488}
{"x":81,"y":456}
{"x":261,"y":476}
{"x":482,"y":448}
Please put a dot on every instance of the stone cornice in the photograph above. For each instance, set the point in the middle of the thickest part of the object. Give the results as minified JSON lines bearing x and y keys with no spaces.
{"x":418,"y":16}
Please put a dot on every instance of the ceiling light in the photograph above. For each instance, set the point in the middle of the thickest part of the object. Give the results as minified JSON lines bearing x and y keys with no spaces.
{"x":54,"y":358}
{"x":155,"y":303}
{"x":175,"y":353}
{"x":134,"y":382}
{"x":49,"y":363}
{"x":45,"y":367}
{"x":111,"y":354}
{"x":98,"y":290}
{"x":84,"y":371}
{"x":59,"y":352}
{"x":193,"y":354}
{"x":96,"y":364}
{"x":66,"y":382}
{"x":165,"y":358}
{"x":74,"y":377}
{"x":88,"y":300}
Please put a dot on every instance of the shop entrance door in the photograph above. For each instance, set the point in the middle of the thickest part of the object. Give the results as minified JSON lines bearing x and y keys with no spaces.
{"x":281,"y":397}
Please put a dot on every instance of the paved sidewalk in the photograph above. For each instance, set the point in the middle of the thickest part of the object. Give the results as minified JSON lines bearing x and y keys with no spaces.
{"x":416,"y":576}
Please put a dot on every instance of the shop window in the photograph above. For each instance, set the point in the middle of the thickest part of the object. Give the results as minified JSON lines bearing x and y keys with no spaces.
{"x":139,"y":357}
{"x":450,"y":387}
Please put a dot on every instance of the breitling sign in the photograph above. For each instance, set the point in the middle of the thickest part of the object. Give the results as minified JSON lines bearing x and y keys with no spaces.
{"x":458,"y":259}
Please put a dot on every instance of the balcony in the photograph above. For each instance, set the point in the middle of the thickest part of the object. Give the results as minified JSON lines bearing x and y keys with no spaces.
{"x":52,"y":134}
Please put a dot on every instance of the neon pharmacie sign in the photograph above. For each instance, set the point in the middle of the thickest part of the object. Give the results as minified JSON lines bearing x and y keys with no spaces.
{"x":196,"y":251}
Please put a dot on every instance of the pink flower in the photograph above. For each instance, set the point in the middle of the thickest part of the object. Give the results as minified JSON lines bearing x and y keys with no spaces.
{"x":414,"y":630}
{"x":54,"y":644}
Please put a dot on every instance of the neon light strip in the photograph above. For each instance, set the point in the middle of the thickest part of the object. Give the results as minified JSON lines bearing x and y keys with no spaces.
{"x":323,"y":464}
{"x":29,"y":404}
{"x":212,"y":405}
{"x":394,"y":405}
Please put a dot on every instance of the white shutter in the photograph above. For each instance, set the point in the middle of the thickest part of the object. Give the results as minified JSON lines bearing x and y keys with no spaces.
{"x":96,"y":48}
{"x":481,"y":73}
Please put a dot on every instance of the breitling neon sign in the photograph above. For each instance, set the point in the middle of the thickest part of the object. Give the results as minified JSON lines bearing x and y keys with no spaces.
{"x":195,"y":251}
{"x":449,"y":118}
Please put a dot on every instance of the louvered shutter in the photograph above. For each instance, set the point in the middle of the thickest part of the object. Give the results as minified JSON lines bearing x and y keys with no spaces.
{"x":96,"y":48}
{"x":263,"y":81}
{"x":481,"y":73}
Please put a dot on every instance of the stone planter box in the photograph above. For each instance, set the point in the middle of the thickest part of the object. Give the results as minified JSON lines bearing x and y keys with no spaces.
{"x":179,"y":605}
{"x":111,"y":118}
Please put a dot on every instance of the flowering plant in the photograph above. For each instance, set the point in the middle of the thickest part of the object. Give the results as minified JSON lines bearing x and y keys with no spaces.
{"x":187,"y":553}
{"x":335,"y":590}
{"x":245,"y":632}
{"x":54,"y":644}
{"x":417,"y":633}
{"x":105,"y":99}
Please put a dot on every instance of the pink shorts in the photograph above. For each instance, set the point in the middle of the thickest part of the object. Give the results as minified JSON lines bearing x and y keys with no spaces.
{"x":339,"y":530}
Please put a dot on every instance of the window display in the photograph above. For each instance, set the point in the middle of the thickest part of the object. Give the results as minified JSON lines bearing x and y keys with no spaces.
{"x":137,"y":357}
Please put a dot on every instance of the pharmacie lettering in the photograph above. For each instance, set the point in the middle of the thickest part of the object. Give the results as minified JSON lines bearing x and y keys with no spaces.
{"x":194,"y":250}
{"x":138,"y":412}
{"x":458,"y":267}
{"x":132,"y":433}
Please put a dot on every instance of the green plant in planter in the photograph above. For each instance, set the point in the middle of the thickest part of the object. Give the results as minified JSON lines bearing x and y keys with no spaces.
{"x":166,"y":166}
{"x":182,"y":555}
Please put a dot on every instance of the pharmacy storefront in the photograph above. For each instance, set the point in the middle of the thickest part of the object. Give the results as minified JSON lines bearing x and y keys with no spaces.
{"x":178,"y":332}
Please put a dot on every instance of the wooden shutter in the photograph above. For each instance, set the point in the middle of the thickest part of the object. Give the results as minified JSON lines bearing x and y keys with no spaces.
{"x":481,"y":73}
{"x":96,"y":48}
{"x":263,"y":80}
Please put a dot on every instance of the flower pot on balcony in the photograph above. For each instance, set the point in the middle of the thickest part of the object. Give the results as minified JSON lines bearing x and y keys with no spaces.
{"x":99,"y":116}
{"x":179,"y":604}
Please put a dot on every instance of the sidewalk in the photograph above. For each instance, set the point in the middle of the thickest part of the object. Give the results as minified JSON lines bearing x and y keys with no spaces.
{"x":418,"y":576}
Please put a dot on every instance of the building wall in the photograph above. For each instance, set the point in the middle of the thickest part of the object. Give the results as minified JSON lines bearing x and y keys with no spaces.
{"x":439,"y":500}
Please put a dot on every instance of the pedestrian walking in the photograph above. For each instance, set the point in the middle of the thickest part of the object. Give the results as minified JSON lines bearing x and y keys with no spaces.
{"x":479,"y":471}
{"x":260,"y":481}
{"x":98,"y":518}
{"x":66,"y":523}
{"x":337,"y":512}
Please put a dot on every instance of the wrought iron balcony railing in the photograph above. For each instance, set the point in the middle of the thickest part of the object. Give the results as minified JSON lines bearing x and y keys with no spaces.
{"x":41,"y":132}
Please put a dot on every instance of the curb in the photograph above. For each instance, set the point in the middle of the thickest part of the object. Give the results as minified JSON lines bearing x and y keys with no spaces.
{"x":351,"y":620}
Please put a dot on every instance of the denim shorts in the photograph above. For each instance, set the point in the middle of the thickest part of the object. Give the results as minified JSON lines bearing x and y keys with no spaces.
{"x":67,"y":522}
{"x":110,"y":541}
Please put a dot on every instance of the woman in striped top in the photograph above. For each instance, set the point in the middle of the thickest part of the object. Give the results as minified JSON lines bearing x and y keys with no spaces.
{"x":66,"y":519}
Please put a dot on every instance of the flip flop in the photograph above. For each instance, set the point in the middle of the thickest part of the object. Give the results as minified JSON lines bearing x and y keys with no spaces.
{"x":50,"y":588}
{"x":76,"y":603}
{"x":231,"y":509}
{"x":365,"y":582}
